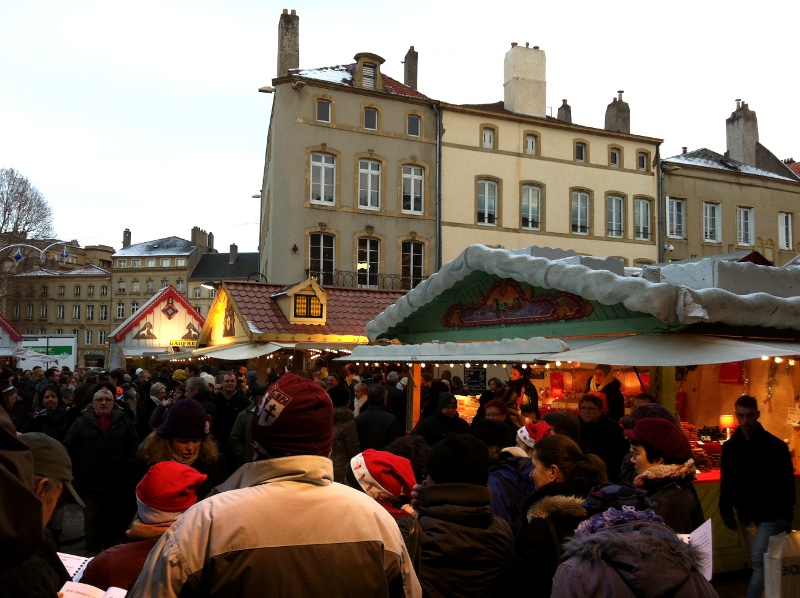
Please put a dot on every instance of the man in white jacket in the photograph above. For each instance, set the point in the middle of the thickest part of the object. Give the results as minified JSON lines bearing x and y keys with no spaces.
{"x":280,"y":526}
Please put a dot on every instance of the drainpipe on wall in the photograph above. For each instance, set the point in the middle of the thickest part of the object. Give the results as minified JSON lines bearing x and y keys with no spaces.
{"x":663,"y":168}
{"x":438,"y":186}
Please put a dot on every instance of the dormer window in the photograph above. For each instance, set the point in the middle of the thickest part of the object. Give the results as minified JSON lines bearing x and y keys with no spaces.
{"x":307,"y":306}
{"x":368,"y":76}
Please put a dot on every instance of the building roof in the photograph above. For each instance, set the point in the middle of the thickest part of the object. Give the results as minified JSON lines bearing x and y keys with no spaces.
{"x":133,"y":320}
{"x":343,"y":75}
{"x":165,"y":246}
{"x":349,"y":310}
{"x":705,"y":158}
{"x":794,"y":167}
{"x":215,"y":266}
{"x":87,"y":270}
{"x":670,"y":302}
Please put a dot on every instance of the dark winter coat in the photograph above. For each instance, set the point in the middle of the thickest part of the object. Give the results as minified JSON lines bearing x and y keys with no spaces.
{"x":511,"y":483}
{"x":376,"y":427}
{"x":676,"y":501}
{"x":396,"y":402}
{"x":605,"y":439}
{"x":615,"y":401}
{"x":437,"y":426}
{"x":99,"y":461}
{"x":552,"y":512}
{"x":465,"y":550}
{"x":345,"y":442}
{"x":757,"y":478}
{"x":53,"y":423}
{"x":225,"y":412}
{"x":640,"y":559}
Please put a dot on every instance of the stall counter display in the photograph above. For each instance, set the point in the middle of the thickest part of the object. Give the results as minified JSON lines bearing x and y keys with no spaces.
{"x":467,"y":407}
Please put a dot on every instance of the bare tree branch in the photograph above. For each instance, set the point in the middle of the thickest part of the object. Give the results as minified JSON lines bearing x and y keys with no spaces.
{"x":24,"y":212}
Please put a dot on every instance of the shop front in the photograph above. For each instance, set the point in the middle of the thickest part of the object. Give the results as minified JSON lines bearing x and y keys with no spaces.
{"x":695,"y":349}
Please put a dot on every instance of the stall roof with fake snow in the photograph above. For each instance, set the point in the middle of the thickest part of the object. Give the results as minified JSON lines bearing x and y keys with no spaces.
{"x":490,"y":294}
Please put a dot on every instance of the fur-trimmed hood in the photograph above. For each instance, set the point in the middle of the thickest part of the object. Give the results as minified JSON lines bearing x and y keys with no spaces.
{"x":562,"y":505}
{"x":681,"y":472}
{"x":648,"y":557}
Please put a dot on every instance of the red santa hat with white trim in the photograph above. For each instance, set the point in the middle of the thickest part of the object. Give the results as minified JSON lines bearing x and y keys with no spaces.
{"x":383,"y":475}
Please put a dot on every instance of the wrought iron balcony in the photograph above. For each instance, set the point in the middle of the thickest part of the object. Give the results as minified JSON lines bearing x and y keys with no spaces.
{"x":361,"y":279}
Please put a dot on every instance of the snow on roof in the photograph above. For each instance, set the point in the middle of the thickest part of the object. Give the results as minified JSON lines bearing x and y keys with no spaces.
{"x":706,"y":158}
{"x":343,"y":75}
{"x":668,"y":302}
{"x":165,"y":246}
{"x":87,"y":270}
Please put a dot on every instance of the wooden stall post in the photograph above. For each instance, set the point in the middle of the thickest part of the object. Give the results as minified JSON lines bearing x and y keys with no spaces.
{"x":662,"y":385}
{"x":416,"y":376}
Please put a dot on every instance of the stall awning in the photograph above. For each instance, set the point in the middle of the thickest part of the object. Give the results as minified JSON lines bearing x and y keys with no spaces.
{"x":507,"y":350}
{"x":143,"y":351}
{"x":239,"y":352}
{"x":303,"y":346}
{"x":6,"y":351}
{"x":670,"y":349}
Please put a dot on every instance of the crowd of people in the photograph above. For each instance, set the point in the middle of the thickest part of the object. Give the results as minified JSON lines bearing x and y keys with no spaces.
{"x":203,"y":482}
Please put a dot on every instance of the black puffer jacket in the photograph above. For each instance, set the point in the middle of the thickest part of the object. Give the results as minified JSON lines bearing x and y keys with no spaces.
{"x":553,"y":513}
{"x":99,"y":461}
{"x":345,"y":442}
{"x":466,"y":550}
{"x":437,"y":426}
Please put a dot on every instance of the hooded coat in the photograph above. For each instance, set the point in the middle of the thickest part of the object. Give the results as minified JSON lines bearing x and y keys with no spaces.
{"x":553,"y":513}
{"x":676,"y":501}
{"x":640,"y":559}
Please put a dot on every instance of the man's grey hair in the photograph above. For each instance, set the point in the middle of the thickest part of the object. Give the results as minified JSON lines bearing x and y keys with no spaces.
{"x":376,"y":395}
{"x":157,"y":387}
{"x":102,"y":391}
{"x":198,"y":384}
{"x":392,"y":377}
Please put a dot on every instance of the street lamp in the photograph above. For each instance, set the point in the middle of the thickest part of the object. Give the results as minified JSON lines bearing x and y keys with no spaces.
{"x":18,"y":256}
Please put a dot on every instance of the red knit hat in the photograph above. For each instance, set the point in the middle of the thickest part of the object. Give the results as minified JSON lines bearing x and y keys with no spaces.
{"x":170,"y":486}
{"x":382,"y":474}
{"x":664,"y":436}
{"x":294,"y":417}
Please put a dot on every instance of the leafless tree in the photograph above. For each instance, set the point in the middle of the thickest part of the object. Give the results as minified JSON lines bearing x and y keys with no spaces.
{"x":24,"y":212}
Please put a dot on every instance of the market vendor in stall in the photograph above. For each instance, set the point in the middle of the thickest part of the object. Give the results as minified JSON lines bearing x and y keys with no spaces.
{"x":606,"y":384}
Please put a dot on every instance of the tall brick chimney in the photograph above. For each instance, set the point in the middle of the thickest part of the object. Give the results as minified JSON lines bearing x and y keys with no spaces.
{"x":288,"y":42}
{"x":565,"y":112}
{"x":524,"y":82}
{"x":126,"y":238}
{"x":233,"y":254}
{"x":410,"y":72}
{"x":741,"y":133}
{"x":618,"y":115}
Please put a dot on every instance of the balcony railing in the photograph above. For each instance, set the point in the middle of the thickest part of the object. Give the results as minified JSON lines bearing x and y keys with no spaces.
{"x":363,"y":280}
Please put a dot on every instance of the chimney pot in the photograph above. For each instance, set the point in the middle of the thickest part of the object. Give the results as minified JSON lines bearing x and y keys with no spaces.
{"x":294,"y":12}
{"x":618,"y":115}
{"x":285,"y":11}
{"x":288,"y":42}
{"x":684,"y":148}
{"x":410,"y":68}
{"x":535,"y":47}
{"x":513,"y":44}
{"x":234,"y":253}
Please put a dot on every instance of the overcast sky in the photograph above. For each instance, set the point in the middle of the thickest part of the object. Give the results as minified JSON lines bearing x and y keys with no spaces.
{"x":145,"y":114}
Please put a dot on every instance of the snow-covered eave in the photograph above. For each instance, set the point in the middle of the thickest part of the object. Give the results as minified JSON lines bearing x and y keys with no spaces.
{"x":742,"y":169}
{"x":670,"y":303}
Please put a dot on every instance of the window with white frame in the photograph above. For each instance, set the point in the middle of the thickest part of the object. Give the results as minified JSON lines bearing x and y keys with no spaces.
{"x":135,"y":286}
{"x":77,"y":290}
{"x":212,"y":293}
{"x":368,"y":75}
{"x":368,"y":261}
{"x":487,"y":202}
{"x":323,"y":178}
{"x":321,"y":262}
{"x":745,"y":224}
{"x":165,"y":262}
{"x":59,"y":331}
{"x":30,"y":311}
{"x":614,"y":157}
{"x":323,"y":111}
{"x":676,"y":218}
{"x":712,"y":222}
{"x":104,"y":291}
{"x":61,"y":291}
{"x":414,"y":125}
{"x":75,"y":331}
{"x":641,"y":161}
{"x":180,"y":262}
{"x":413,"y":189}
{"x":43,"y":311}
{"x":121,"y":286}
{"x":60,"y":312}
{"x":90,"y":290}
{"x":151,"y":263}
{"x":151,"y":286}
{"x":531,"y":143}
{"x":122,"y":263}
{"x":164,"y":283}
{"x":413,"y":263}
{"x":641,"y":217}
{"x":104,"y":312}
{"x":136,"y":263}
{"x":531,"y":207}
{"x":198,"y":309}
{"x":101,"y":337}
{"x":369,"y":184}
{"x":16,"y":311}
{"x":580,"y":152}
{"x":179,"y":285}
{"x":371,"y":119}
{"x":76,"y":312}
{"x":488,"y":137}
{"x":615,"y":216}
{"x":90,"y":312}
{"x":89,"y":337}
{"x":120,"y":310}
{"x":580,"y":212}
{"x":785,"y":230}
{"x":134,"y":307}
{"x":197,"y":292}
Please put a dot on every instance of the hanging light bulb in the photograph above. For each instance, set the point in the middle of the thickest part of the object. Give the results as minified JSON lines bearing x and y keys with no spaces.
{"x":791,"y":362}
{"x":764,"y":357}
{"x":778,"y":360}
{"x":524,"y":366}
{"x":422,"y":365}
{"x":558,"y":364}
{"x":466,"y":365}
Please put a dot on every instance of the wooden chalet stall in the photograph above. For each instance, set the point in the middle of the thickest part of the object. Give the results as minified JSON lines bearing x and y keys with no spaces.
{"x":9,"y":341}
{"x":697,"y":340}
